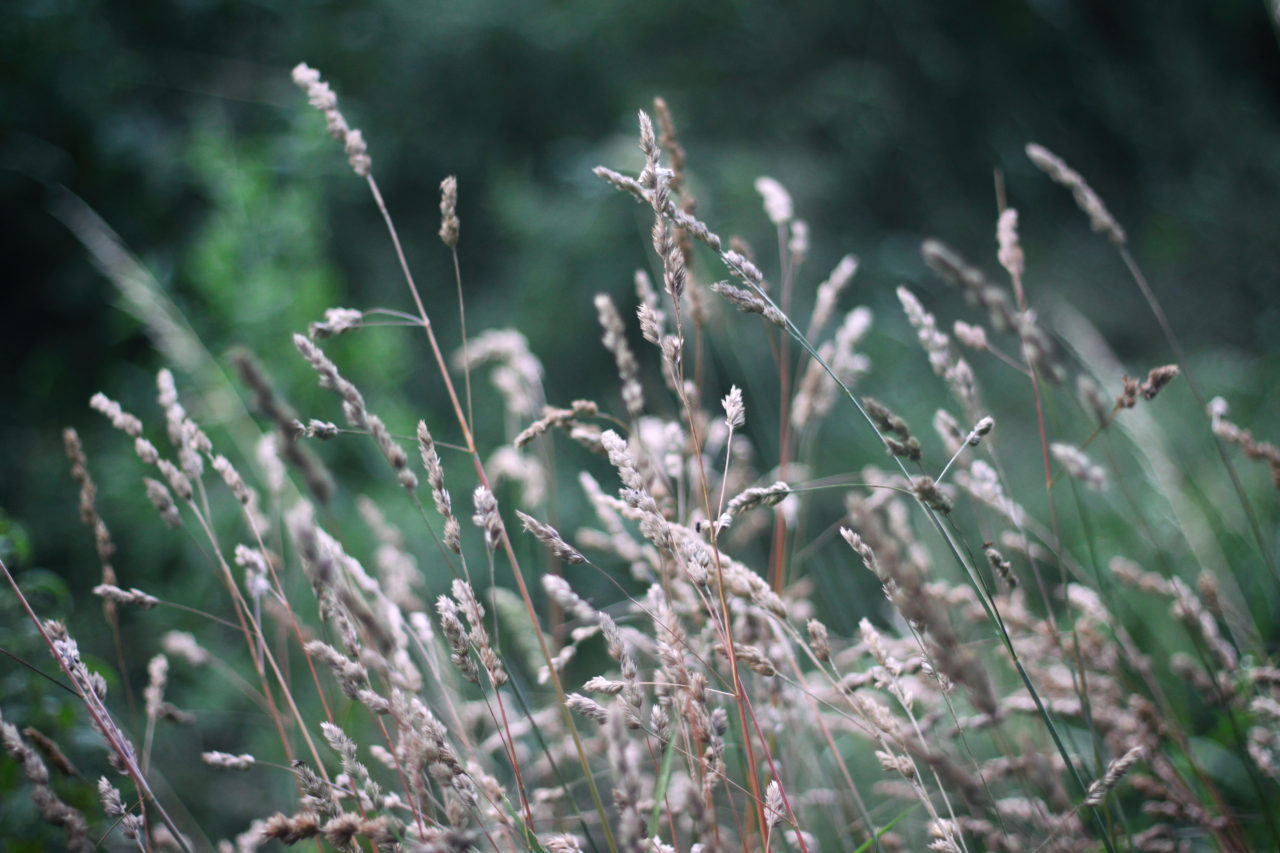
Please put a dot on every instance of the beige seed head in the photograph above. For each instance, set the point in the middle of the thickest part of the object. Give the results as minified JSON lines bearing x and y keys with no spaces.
{"x":552,"y":539}
{"x":1010,"y":254}
{"x":974,"y":337}
{"x":228,"y":761}
{"x":774,"y":811}
{"x":1087,"y":200}
{"x":134,"y":597}
{"x":1079,"y":466}
{"x":735,"y":414}
{"x":818,"y":640}
{"x":119,"y":418}
{"x":336,"y":321}
{"x":980,"y":431}
{"x":798,"y":245}
{"x":449,"y":223}
{"x":160,"y":498}
{"x":486,"y":516}
{"x":322,"y":98}
{"x":777,"y":201}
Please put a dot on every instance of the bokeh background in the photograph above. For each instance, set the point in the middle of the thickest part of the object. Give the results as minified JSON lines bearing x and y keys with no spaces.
{"x":177,"y":123}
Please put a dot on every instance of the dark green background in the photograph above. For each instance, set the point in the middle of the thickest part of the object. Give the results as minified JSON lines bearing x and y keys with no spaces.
{"x":178,"y":124}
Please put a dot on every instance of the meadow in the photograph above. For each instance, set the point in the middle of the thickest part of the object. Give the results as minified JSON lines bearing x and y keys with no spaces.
{"x":783,"y":587}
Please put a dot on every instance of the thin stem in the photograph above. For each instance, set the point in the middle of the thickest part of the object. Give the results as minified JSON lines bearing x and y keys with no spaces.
{"x":724,"y":479}
{"x":1154,"y":304}
{"x":777,"y":561}
{"x":703,"y":233}
{"x":506,"y":541}
{"x":462,"y":325}
{"x":101,"y":716}
{"x":422,"y":314}
{"x":41,"y":673}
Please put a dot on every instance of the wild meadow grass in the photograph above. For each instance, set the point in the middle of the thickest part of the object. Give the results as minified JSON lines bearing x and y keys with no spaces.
{"x":641,"y":622}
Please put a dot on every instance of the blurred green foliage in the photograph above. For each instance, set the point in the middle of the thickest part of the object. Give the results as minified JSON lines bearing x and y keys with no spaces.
{"x":178,"y":124}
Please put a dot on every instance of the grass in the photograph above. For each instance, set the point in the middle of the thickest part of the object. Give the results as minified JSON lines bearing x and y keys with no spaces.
{"x":766,"y":614}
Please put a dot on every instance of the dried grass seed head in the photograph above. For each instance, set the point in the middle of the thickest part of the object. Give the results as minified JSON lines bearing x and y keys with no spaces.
{"x":735,"y":414}
{"x":798,"y":245}
{"x":1234,"y":434}
{"x":351,"y":675}
{"x":550,"y":537}
{"x":449,"y":224}
{"x":1010,"y":253}
{"x":255,"y":568}
{"x":1079,"y":466}
{"x":183,"y":644}
{"x":486,"y":516}
{"x":120,"y":419}
{"x":777,"y":201}
{"x":227,"y":761}
{"x":51,"y":808}
{"x":516,"y":371}
{"x":129,"y":597}
{"x":774,"y":809}
{"x":818,"y":640}
{"x":931,"y":494}
{"x":862,"y":549}
{"x":177,"y":479}
{"x":1100,"y":219}
{"x":974,"y":337}
{"x":650,"y":323}
{"x":980,"y":431}
{"x":336,"y":321}
{"x":934,"y":342}
{"x":435,"y":471}
{"x":88,"y":497}
{"x":1157,"y":379}
{"x":322,"y":98}
{"x":289,"y":830}
{"x":615,"y":341}
{"x":824,"y":304}
{"x":770,"y":495}
{"x":160,"y":498}
{"x":1002,"y":568}
{"x":749,"y":303}
{"x":648,"y":146}
{"x":667,"y":139}
{"x":1115,"y":772}
{"x":330,"y":379}
{"x":321,"y":430}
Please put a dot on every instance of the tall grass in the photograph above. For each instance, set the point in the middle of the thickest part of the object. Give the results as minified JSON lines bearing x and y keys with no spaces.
{"x":1062,"y":657}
